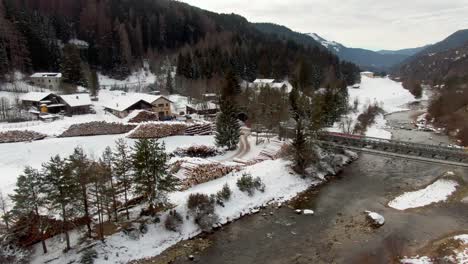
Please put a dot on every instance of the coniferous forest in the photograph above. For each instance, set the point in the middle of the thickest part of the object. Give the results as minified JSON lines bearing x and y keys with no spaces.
{"x":122,"y":33}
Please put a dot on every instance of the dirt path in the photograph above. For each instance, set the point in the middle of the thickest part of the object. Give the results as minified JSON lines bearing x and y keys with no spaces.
{"x":244,"y":145}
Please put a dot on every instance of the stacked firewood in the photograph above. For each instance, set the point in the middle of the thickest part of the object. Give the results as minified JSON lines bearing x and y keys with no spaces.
{"x":97,"y":128}
{"x":205,"y":173}
{"x":158,"y":130}
{"x":20,"y":136}
{"x":144,"y":116}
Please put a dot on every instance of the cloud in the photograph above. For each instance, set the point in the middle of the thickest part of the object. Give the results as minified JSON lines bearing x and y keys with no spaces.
{"x":356,"y":23}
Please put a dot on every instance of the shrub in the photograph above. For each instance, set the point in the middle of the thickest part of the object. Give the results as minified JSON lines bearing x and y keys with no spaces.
{"x":197,"y":151}
{"x":223,"y":195}
{"x":248,"y":184}
{"x":143,"y":228}
{"x":88,"y":256}
{"x":201,"y":206}
{"x":173,"y":221}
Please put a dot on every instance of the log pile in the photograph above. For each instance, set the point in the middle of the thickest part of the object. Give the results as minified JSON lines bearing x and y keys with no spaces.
{"x":205,"y":173}
{"x":20,"y":136}
{"x":158,"y":130}
{"x":144,"y":116}
{"x":199,"y":129}
{"x":197,"y":151}
{"x":97,"y":128}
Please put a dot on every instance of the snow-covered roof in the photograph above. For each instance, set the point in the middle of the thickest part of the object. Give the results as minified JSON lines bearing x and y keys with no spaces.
{"x":288,"y":87}
{"x":75,"y":100}
{"x":203,"y":106}
{"x":124,"y":102}
{"x":34,"y":96}
{"x":367,"y":72}
{"x":264,"y":81}
{"x":46,"y":74}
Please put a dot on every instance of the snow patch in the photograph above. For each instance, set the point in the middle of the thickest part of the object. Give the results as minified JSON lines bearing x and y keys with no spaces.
{"x":436,"y":192}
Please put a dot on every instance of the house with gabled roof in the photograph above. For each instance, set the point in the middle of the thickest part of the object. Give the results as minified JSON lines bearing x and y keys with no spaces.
{"x":125,"y":104}
{"x":76,"y":104}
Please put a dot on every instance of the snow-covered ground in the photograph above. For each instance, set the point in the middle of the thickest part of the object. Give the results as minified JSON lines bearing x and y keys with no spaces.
{"x":436,"y":192}
{"x":138,"y":78}
{"x":281,"y":185}
{"x":388,"y":94}
{"x":15,"y":156}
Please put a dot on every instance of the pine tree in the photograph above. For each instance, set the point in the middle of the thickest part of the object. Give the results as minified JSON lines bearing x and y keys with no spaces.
{"x":94,"y":83}
{"x":61,"y":192}
{"x":28,"y":198}
{"x":71,"y":65}
{"x":302,"y":154}
{"x":98,"y":191}
{"x":151,"y":171}
{"x":169,"y":82}
{"x":227,"y":123}
{"x":122,"y":167}
{"x":6,"y":215}
{"x":109,"y":175}
{"x":78,"y":166}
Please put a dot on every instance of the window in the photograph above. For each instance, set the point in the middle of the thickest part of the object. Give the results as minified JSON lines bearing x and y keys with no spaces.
{"x":167,"y":105}
{"x":160,"y":105}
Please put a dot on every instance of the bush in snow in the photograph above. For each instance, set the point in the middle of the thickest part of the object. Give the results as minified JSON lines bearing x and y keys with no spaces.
{"x":197,"y":151}
{"x":173,"y":221}
{"x":143,"y":228}
{"x":88,"y":256}
{"x":223,"y":195}
{"x":10,"y":253}
{"x":202,"y":207}
{"x":248,"y":184}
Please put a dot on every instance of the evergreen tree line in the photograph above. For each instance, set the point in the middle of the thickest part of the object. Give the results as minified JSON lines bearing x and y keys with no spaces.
{"x":81,"y":190}
{"x":121,"y":33}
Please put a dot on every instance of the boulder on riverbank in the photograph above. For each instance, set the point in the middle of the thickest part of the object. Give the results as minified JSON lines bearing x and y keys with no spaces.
{"x":376,"y":220}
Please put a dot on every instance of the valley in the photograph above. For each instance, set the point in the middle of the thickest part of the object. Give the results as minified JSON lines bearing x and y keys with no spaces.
{"x":161,"y":131}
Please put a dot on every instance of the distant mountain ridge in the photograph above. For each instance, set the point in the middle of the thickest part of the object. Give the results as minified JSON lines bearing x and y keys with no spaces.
{"x":407,"y":52}
{"x":366,"y":59}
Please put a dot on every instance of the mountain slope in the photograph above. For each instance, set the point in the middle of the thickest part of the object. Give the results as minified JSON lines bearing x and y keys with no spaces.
{"x":284,"y":32}
{"x":120,"y":34}
{"x":438,"y":62}
{"x":367,"y":59}
{"x":407,"y":52}
{"x":455,"y":40}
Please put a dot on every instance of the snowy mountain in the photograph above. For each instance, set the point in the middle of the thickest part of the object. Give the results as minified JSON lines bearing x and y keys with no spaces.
{"x":330,"y":45}
{"x":366,"y":59}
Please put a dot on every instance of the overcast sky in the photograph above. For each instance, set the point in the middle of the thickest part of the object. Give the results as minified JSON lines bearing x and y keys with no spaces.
{"x":372,"y":24}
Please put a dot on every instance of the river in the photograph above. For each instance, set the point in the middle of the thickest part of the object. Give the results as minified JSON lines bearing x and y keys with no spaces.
{"x":338,"y":232}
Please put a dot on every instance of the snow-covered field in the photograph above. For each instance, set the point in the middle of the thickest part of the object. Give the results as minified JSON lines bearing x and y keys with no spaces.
{"x":15,"y":156}
{"x":436,"y":192}
{"x":390,"y":95}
